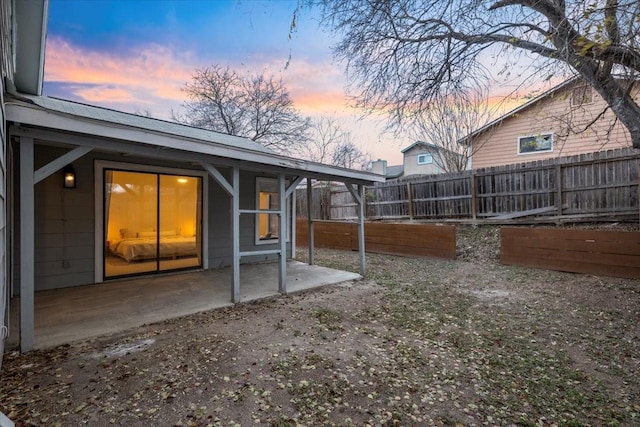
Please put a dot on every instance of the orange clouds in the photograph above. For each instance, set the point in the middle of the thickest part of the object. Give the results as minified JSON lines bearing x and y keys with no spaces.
{"x":150,"y":78}
{"x":101,"y":95}
{"x":149,"y":75}
{"x":154,"y":75}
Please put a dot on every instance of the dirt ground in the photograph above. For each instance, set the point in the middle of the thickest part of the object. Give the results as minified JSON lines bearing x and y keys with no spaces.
{"x":419,"y":342}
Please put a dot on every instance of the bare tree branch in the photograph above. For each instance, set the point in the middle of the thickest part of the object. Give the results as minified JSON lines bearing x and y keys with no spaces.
{"x":256,"y":107}
{"x":330,"y":143}
{"x":448,"y":121}
{"x":403,"y":55}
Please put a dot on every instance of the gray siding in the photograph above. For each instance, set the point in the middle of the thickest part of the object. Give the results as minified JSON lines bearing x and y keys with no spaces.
{"x":220,"y":252}
{"x":65,"y":221}
{"x":6,"y":66}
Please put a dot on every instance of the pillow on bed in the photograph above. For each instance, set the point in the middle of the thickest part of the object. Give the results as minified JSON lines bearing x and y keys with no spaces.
{"x":164,"y":233}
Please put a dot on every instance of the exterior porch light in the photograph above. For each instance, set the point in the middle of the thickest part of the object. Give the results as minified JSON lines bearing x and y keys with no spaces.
{"x":69,"y":175}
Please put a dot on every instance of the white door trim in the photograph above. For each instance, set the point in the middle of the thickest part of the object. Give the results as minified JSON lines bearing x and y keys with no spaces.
{"x":101,"y":165}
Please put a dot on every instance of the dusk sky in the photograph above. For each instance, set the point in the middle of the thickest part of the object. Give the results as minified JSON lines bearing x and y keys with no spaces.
{"x":136,"y":55}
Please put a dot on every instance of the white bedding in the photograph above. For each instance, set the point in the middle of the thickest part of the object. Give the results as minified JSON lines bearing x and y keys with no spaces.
{"x":138,"y":248}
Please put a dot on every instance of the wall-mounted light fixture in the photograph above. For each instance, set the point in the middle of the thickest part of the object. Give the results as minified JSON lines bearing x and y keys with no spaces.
{"x":69,"y":177}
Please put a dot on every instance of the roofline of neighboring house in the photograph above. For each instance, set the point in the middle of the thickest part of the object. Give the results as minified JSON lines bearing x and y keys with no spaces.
{"x":516,"y":110}
{"x":397,"y":174}
{"x":417,"y":143}
{"x":208,"y":143}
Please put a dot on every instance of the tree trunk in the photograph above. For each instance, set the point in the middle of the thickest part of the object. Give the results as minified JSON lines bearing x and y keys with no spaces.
{"x":617,"y":97}
{"x":624,"y":107}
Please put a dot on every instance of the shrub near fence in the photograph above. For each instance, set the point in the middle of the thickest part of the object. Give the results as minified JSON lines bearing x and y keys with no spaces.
{"x":606,"y":253}
{"x":587,"y":186}
{"x":438,"y":241}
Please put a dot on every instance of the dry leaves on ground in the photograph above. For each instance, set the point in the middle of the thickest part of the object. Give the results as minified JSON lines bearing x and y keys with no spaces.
{"x":420,"y":342}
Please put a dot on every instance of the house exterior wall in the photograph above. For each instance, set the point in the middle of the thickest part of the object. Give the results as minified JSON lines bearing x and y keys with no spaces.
{"x":6,"y":71}
{"x":65,"y":221}
{"x":553,"y":114}
{"x":411,"y":166}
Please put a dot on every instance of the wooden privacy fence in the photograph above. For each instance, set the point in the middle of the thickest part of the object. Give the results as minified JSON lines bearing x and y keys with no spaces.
{"x":585,"y":186}
{"x":606,"y":253}
{"x":437,"y":241}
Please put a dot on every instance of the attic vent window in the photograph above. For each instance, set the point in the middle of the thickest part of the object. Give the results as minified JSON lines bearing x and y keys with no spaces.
{"x":541,"y":143}
{"x":425,"y":159}
{"x":581,"y":95}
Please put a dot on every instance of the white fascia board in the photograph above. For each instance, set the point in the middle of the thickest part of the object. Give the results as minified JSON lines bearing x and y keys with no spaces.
{"x":31,"y":31}
{"x":33,"y":115}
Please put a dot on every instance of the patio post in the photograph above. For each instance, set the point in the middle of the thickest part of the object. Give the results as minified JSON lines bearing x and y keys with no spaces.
{"x":235,"y":236}
{"x":358,"y":196}
{"x":27,"y":241}
{"x":282,"y":235}
{"x":361,"y":202}
{"x":310,"y":219}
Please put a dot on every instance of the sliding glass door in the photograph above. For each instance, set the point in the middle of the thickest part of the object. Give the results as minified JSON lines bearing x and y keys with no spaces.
{"x":151,"y":222}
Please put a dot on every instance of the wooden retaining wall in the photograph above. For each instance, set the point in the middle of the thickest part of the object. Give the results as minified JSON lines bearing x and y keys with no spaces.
{"x":438,"y":241}
{"x":605,"y":253}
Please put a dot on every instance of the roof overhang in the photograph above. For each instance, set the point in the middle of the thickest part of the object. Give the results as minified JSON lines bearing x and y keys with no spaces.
{"x":465,"y":140}
{"x":42,"y":124}
{"x":419,"y":144}
{"x":30,"y":36}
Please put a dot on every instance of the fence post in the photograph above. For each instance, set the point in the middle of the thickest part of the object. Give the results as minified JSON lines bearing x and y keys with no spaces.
{"x":410,"y":201}
{"x":559,"y":188}
{"x":474,"y":202}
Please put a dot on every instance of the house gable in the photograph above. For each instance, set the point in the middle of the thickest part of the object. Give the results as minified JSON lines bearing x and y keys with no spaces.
{"x":554,"y":124}
{"x":421,"y":158}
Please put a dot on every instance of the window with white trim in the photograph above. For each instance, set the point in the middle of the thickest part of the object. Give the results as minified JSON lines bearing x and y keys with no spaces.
{"x":541,"y":143}
{"x":425,"y":159}
{"x":267,"y":224}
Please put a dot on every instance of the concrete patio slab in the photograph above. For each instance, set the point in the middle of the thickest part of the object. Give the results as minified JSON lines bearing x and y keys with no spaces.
{"x":72,"y":314}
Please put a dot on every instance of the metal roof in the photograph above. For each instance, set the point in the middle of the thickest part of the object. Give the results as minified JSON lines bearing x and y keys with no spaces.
{"x":81,"y":124}
{"x":146,"y":123}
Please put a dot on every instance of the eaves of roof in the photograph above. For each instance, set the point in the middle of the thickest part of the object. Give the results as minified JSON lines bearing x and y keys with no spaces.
{"x":517,"y":110}
{"x":420,"y":143}
{"x":30,"y":35}
{"x":152,"y":135}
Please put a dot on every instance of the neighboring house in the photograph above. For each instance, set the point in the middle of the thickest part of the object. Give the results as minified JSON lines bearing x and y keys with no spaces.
{"x":419,"y":158}
{"x":553,"y":124}
{"x":94,"y":187}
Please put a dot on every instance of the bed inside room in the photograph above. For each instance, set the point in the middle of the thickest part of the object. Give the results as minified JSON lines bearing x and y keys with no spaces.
{"x":151,"y":222}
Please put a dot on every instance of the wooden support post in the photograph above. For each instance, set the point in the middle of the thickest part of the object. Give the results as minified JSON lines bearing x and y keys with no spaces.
{"x":474,"y":197}
{"x":27,"y":242}
{"x":361,"y":251}
{"x":410,"y":201}
{"x":558,"y":195}
{"x":235,"y":236}
{"x":293,"y":203}
{"x":282,"y":235}
{"x":310,"y":219}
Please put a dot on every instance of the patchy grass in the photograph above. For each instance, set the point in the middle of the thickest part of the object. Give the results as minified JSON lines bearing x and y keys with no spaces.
{"x":421,"y":342}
